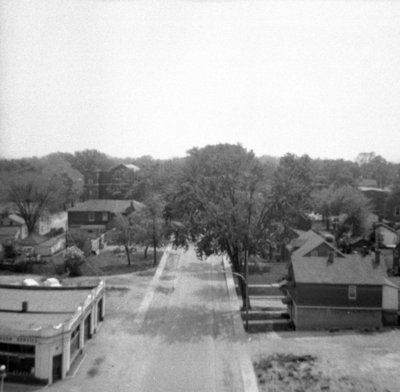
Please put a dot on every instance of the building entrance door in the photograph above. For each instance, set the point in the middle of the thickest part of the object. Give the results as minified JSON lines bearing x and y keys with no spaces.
{"x":57,"y":367}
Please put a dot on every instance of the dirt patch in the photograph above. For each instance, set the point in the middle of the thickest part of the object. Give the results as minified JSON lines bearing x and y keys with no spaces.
{"x":348,"y":361}
{"x":288,"y":372}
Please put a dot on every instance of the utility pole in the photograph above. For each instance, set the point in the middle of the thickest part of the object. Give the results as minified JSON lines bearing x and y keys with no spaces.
{"x":246,"y":281}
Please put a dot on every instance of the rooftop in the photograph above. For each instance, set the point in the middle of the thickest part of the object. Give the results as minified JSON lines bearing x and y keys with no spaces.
{"x":99,"y":205}
{"x":308,"y":241}
{"x":352,"y":269}
{"x":47,"y":306}
{"x":8,"y":231}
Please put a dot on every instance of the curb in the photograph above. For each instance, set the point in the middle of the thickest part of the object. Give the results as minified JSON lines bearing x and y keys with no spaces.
{"x":246,"y":366}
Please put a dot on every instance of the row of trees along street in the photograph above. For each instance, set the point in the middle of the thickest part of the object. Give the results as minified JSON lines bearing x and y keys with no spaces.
{"x":221,"y":197}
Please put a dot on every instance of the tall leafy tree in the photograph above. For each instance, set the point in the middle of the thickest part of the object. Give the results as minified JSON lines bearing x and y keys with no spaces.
{"x":291,"y":188}
{"x":124,"y":230}
{"x":348,"y":201}
{"x":149,"y":228}
{"x":222,"y":204}
{"x":31,"y":196}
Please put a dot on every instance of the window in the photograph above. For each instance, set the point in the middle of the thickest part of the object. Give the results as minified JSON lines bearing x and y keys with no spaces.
{"x":352,"y":292}
{"x":397,"y":211}
{"x":104,"y":216}
{"x":91,"y":216}
{"x":74,"y":345}
{"x":314,"y":253}
{"x":90,"y":181}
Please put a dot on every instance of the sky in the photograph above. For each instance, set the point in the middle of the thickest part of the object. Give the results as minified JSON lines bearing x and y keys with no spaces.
{"x":157,"y":77}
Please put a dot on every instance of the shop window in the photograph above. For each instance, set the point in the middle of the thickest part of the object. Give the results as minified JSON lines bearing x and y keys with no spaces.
{"x":75,"y":335}
{"x":352,"y":292}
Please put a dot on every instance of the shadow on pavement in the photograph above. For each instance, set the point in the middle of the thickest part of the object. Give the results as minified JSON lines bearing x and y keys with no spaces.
{"x":188,"y":324}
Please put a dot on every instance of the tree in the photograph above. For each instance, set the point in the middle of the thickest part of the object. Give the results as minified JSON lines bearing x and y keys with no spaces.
{"x":148,"y":224}
{"x":90,"y":160}
{"x":348,"y":201}
{"x":393,"y":200}
{"x":123,"y":232}
{"x":31,"y":196}
{"x":291,"y":189}
{"x":222,"y":204}
{"x":375,"y":167}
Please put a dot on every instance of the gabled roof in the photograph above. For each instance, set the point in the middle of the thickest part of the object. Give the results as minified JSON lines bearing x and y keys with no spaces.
{"x":352,"y":269}
{"x":385,"y":226}
{"x":114,"y":206}
{"x":309,"y":241}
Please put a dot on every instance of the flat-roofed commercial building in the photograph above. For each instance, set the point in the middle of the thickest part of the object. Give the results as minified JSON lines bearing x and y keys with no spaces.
{"x":44,"y":329}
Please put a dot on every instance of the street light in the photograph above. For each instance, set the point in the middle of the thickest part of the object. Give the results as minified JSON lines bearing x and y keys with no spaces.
{"x":3,"y":374}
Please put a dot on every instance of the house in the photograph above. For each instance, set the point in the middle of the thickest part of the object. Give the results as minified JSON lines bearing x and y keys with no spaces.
{"x":340,"y":292}
{"x":49,"y":222}
{"x":386,"y":236}
{"x":44,"y":330}
{"x":377,"y":198}
{"x":311,"y":244}
{"x":101,"y":184}
{"x":12,"y":228}
{"x":360,"y":244}
{"x":95,"y":215}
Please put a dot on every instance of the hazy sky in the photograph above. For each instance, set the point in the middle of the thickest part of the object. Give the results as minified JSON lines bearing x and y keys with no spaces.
{"x":160,"y":76}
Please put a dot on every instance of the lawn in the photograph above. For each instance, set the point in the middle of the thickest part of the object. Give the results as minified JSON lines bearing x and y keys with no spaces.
{"x":114,"y":263}
{"x":108,"y":262}
{"x":346,"y":361}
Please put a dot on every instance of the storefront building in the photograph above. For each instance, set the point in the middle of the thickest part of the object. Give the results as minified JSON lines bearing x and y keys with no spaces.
{"x":43,"y":330}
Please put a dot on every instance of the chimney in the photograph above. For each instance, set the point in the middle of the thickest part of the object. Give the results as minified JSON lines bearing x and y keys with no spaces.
{"x":331,"y":258}
{"x":24,"y":306}
{"x":377,"y":256}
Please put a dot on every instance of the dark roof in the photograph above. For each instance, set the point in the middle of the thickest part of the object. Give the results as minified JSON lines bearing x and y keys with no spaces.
{"x":8,"y":231}
{"x":385,"y":226}
{"x":352,"y":269}
{"x":114,"y":206}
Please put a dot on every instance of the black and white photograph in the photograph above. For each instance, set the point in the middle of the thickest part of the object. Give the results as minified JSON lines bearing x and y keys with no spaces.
{"x":199,"y":195}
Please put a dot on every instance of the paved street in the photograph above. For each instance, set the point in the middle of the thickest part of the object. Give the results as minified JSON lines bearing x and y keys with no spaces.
{"x":182,"y":337}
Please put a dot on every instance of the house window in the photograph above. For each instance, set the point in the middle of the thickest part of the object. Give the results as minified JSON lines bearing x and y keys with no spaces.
{"x":352,"y":292}
{"x":91,"y":216}
{"x":314,"y":253}
{"x":90,"y":181}
{"x":104,"y":216}
{"x":397,"y":211}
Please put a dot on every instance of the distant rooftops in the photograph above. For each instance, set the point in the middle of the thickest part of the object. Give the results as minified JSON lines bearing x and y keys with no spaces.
{"x":114,"y":206}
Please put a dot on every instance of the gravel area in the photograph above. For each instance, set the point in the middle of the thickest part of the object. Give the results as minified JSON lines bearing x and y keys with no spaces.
{"x":321,"y":361}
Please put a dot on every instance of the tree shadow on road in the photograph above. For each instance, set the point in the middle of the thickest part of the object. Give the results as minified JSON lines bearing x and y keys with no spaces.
{"x":188,"y":325}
